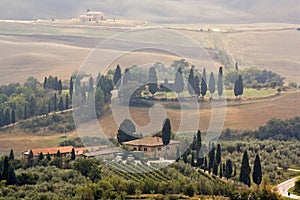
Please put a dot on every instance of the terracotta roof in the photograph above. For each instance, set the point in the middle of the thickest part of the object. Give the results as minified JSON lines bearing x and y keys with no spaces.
{"x":51,"y":151}
{"x":148,"y":141}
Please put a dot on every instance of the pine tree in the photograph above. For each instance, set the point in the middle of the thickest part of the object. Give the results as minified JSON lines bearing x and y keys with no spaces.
{"x":179,"y":83}
{"x":152,"y":80}
{"x":257,"y":172}
{"x":59,"y":87}
{"x":228,"y":169}
{"x":61,"y":106}
{"x":55,"y":103}
{"x":166,"y":132}
{"x":245,"y":170}
{"x":13,"y":116}
{"x":218,"y":154}
{"x":11,"y":155}
{"x":212,"y":84}
{"x":67,"y":102}
{"x":191,"y":82}
{"x":197,"y":86}
{"x":203,"y":87}
{"x":71,"y":89}
{"x":117,"y":77}
{"x":73,"y":156}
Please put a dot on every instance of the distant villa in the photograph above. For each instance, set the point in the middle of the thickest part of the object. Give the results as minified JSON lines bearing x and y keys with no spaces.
{"x":92,"y":16}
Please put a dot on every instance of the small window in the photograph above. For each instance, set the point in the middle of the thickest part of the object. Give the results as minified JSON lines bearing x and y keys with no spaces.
{"x":134,"y":148}
{"x":145,"y":149}
{"x":159,"y":149}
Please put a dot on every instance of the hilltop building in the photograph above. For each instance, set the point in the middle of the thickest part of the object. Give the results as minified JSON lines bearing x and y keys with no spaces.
{"x":92,"y":17}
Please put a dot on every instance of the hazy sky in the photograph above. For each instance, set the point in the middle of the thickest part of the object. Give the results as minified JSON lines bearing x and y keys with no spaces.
{"x":164,"y":11}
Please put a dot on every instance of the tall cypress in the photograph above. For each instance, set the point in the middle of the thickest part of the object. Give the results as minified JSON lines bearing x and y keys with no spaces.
{"x":61,"y":106}
{"x":212,"y":84}
{"x":240,"y":89}
{"x":1,"y":118}
{"x":204,"y":75}
{"x":41,"y":156}
{"x":11,"y":176}
{"x":32,"y":106}
{"x":197,"y":86}
{"x":245,"y":170}
{"x":117,"y":77}
{"x":73,"y":156}
{"x":4,"y":174}
{"x":236,"y":66}
{"x":11,"y":155}
{"x":67,"y":102}
{"x":236,"y":88}
{"x":218,"y":154}
{"x":221,"y":171}
{"x":45,"y":83}
{"x":220,"y":82}
{"x":228,"y":169}
{"x":205,"y":163}
{"x":215,"y":168}
{"x":166,"y":132}
{"x":91,"y":85}
{"x":55,"y":102}
{"x":59,"y":87}
{"x":179,"y":83}
{"x":191,"y":82}
{"x":71,"y":87}
{"x":152,"y":80}
{"x":7,"y":117}
{"x":257,"y":172}
{"x":211,"y":155}
{"x":30,"y":159}
{"x":203,"y":87}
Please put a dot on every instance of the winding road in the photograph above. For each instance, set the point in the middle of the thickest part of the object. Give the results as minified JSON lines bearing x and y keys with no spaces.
{"x":285,"y":186}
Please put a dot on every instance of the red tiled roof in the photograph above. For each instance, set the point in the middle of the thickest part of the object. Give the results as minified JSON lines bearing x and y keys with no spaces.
{"x":51,"y":151}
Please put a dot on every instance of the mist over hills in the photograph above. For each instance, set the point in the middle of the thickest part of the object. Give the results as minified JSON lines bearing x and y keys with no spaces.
{"x":167,"y":11}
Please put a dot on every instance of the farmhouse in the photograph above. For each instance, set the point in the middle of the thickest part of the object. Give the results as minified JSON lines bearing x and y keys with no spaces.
{"x":153,"y":145}
{"x":92,"y":16}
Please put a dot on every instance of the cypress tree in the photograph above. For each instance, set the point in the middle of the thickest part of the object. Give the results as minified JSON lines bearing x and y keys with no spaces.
{"x":215,"y":168}
{"x":204,"y":75}
{"x":1,"y":118}
{"x":49,"y":106}
{"x":179,"y":84}
{"x":61,"y":106}
{"x":67,"y":102}
{"x":191,"y":82}
{"x":25,"y":112}
{"x":234,"y":171}
{"x":117,"y":77}
{"x":166,"y":132}
{"x":205,"y":164}
{"x":11,"y":155}
{"x":41,"y":156}
{"x":220,"y":85}
{"x":218,"y":154}
{"x":71,"y":87}
{"x":211,"y":155}
{"x":236,"y":66}
{"x":73,"y":156}
{"x":221,"y":71}
{"x":127,"y":76}
{"x":221,"y":171}
{"x":257,"y":172}
{"x":198,"y":148}
{"x":7,"y":118}
{"x":48,"y":157}
{"x":91,"y":85}
{"x":152,"y":80}
{"x":236,"y":88}
{"x":58,"y":154}
{"x":13,"y":116}
{"x":32,"y":106}
{"x":30,"y":159}
{"x":212,"y":84}
{"x":193,"y":159}
{"x":228,"y":169}
{"x":203,"y":87}
{"x":240,"y":89}
{"x":4,"y":175}
{"x":59,"y":87}
{"x":55,"y":102}
{"x":245,"y":170}
{"x":11,"y":176}
{"x":197,"y":86}
{"x":45,"y":83}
